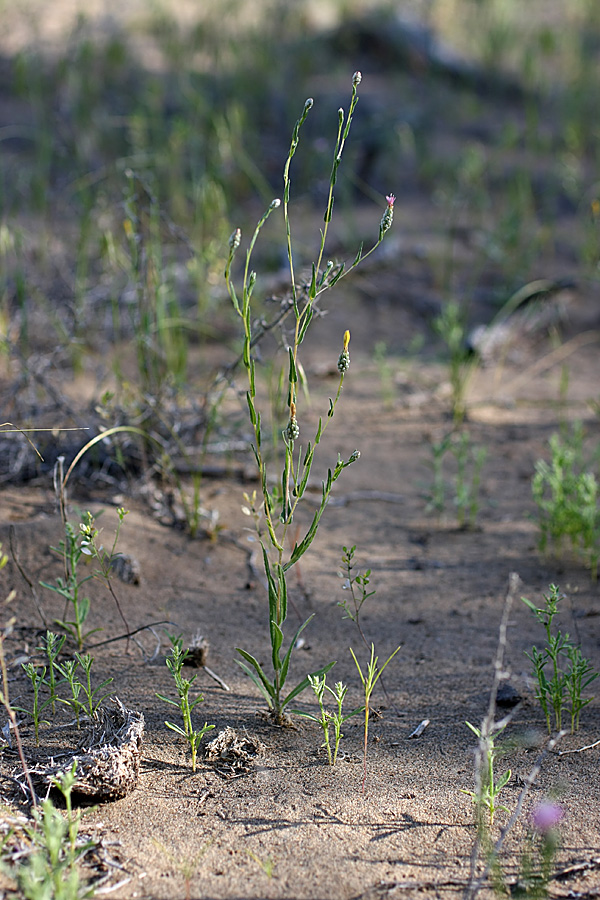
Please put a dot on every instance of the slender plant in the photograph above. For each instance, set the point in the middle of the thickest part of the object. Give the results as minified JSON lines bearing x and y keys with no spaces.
{"x":282,"y":497}
{"x":183,"y":685}
{"x":369,"y":679}
{"x":68,"y":670}
{"x":69,"y":587}
{"x":450,"y":325}
{"x":489,"y":787}
{"x":467,"y":479}
{"x":90,"y":694}
{"x":567,"y":497}
{"x":51,"y":645}
{"x":36,"y":675}
{"x":104,"y":558}
{"x":357,"y":585}
{"x":328,"y":718}
{"x":570,"y":672}
{"x":51,"y":870}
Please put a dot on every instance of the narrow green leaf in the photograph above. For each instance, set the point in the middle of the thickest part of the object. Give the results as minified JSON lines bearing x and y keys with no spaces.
{"x":337,"y":275}
{"x":293,"y":376}
{"x":263,"y":683}
{"x":312,"y":291}
{"x":286,"y":661}
{"x":276,"y":642}
{"x":304,"y":328}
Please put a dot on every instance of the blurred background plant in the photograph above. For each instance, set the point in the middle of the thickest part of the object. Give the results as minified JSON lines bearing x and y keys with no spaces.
{"x":130,"y":140}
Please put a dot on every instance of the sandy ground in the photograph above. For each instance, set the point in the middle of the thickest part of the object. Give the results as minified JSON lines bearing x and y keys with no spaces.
{"x":291,"y":826}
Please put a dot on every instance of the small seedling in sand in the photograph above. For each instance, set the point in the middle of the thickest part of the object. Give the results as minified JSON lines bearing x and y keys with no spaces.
{"x":36,"y":675}
{"x":489,"y":788}
{"x":175,"y":665}
{"x":570,"y":672}
{"x":567,"y":496}
{"x":369,"y":679}
{"x":50,"y":869}
{"x":83,"y":699}
{"x":326,"y":718}
{"x":69,"y":587}
{"x":51,"y":645}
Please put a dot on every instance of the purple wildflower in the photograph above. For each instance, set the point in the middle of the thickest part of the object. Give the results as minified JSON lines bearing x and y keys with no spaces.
{"x":546,"y":816}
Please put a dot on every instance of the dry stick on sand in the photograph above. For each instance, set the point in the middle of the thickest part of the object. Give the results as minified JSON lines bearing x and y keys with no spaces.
{"x":488,"y":728}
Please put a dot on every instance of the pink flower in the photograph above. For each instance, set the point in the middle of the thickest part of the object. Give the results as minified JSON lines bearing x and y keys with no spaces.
{"x":390,"y":200}
{"x":545,"y":816}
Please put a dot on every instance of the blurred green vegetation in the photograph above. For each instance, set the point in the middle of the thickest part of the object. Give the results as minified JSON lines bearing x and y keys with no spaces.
{"x":132,"y":147}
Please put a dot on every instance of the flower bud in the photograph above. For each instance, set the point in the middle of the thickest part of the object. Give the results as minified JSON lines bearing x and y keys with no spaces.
{"x":292,"y":430}
{"x":343,"y":363}
{"x":235,"y":239}
{"x":388,"y":216}
{"x":354,"y":456}
{"x":356,"y":78}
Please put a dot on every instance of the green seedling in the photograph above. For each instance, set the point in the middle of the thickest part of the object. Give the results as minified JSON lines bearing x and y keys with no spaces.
{"x":282,"y":496}
{"x":51,"y":645}
{"x":485,"y":797}
{"x":369,"y":679}
{"x":267,"y":863}
{"x":68,"y":670}
{"x":570,"y":672}
{"x":175,"y":664}
{"x":358,"y":587}
{"x":467,"y":478}
{"x":467,"y":492}
{"x":91,"y":699}
{"x":326,"y":718}
{"x":37,"y":677}
{"x":437,"y":501}
{"x":450,"y":325}
{"x":567,"y":498}
{"x":51,"y":870}
{"x":70,"y":586}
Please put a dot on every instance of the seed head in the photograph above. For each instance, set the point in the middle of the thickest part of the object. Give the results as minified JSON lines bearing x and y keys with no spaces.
{"x":344,"y":357}
{"x":388,"y":216}
{"x":292,"y":430}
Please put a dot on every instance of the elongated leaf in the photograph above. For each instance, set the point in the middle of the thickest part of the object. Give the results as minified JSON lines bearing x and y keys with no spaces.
{"x":276,"y":642}
{"x":293,"y":376}
{"x":167,"y":700}
{"x":251,"y":408}
{"x":262,"y":681}
{"x":286,"y":662}
{"x":307,"y":320}
{"x":358,"y":256}
{"x":272,"y":586}
{"x":282,"y":593}
{"x":312,"y":291}
{"x":337,"y":275}
{"x":176,"y":728}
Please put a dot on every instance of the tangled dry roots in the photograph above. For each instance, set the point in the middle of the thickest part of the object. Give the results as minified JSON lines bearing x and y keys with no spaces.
{"x":108,"y":767}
